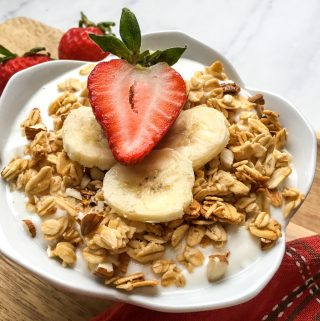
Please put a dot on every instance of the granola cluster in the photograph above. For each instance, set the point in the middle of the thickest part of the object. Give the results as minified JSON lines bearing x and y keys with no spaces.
{"x":240,"y":186}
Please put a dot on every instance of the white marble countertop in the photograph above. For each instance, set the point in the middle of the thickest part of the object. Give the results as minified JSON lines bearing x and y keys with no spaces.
{"x":274,"y":45}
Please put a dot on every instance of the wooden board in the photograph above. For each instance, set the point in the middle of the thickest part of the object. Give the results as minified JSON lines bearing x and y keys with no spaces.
{"x":308,"y":215}
{"x":26,"y":297}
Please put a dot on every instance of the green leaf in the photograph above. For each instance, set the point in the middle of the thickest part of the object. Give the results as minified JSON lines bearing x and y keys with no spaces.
{"x":171,"y":55}
{"x":5,"y":54}
{"x":152,"y":59}
{"x":34,"y":51}
{"x":130,"y":30}
{"x":142,"y":56}
{"x":112,"y":45}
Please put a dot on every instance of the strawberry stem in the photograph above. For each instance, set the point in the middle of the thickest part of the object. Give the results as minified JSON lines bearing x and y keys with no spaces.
{"x":129,"y":47}
{"x":6,"y":54}
{"x":105,"y":26}
{"x":84,"y":22}
{"x":35,"y":51}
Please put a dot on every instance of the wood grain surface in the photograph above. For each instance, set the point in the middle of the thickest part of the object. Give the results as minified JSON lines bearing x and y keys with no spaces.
{"x":25,"y":297}
{"x":308,"y":215}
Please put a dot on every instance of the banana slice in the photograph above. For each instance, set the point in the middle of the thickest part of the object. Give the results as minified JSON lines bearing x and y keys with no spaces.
{"x":84,"y":141}
{"x":199,"y":133}
{"x":156,"y":190}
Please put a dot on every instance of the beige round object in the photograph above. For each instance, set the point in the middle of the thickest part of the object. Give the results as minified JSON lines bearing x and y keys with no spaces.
{"x":84,"y":140}
{"x":156,"y":190}
{"x":21,"y":34}
{"x":199,"y":133}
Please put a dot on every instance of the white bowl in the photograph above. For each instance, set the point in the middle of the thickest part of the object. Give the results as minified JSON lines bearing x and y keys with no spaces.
{"x":27,"y":89}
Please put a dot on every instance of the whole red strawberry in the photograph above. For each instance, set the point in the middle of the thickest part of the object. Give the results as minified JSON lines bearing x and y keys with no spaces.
{"x":137,"y":98}
{"x":10,"y":63}
{"x":76,"y":44}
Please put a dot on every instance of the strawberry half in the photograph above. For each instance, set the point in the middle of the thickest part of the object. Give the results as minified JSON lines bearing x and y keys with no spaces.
{"x":75,"y":43}
{"x":134,"y":105}
{"x":10,"y":63}
{"x":138,"y":98}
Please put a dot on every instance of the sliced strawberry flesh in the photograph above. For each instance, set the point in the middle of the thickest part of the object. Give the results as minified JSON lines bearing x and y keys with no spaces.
{"x":135,"y":105}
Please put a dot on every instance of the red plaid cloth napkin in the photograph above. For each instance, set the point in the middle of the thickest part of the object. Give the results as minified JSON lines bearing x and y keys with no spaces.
{"x":292,"y":294}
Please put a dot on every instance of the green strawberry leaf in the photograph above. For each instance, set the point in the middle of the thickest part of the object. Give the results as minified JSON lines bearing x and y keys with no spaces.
{"x":129,"y":47}
{"x":130,"y":31}
{"x":5,"y":54}
{"x":142,"y":56}
{"x":36,"y":50}
{"x":152,"y":58}
{"x":113,"y":45}
{"x":171,"y":55}
{"x":105,"y":26}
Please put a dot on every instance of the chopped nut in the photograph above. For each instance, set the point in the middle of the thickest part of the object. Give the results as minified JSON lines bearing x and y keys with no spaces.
{"x":104,"y":270}
{"x":230,"y":88}
{"x":217,"y":267}
{"x":29,"y":227}
{"x":32,"y":131}
{"x":90,"y":223}
{"x":257,"y":99}
{"x":226,"y":158}
{"x":124,"y":260}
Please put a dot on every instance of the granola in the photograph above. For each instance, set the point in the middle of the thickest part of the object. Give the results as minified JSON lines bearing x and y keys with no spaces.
{"x":237,"y":187}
